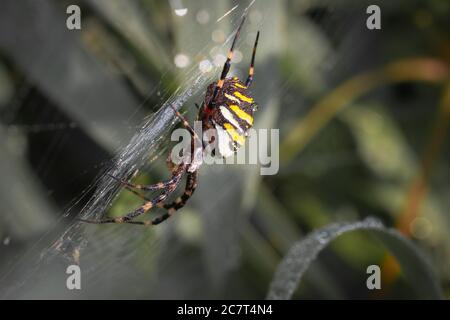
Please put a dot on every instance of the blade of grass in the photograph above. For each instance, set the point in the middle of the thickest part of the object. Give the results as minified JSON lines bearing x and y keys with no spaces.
{"x":415,"y":266}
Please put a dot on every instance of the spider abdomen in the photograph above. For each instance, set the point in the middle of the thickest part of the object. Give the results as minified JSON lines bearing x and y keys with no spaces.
{"x":232,"y":115}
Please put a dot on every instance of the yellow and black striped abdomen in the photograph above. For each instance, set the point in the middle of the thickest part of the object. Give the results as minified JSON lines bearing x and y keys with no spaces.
{"x":233,"y":111}
{"x":236,"y":106}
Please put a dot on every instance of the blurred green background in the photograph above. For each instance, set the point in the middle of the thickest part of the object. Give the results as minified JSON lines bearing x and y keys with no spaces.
{"x":363,"y":118}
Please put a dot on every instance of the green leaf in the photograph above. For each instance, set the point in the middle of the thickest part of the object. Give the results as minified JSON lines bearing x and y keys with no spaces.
{"x":415,"y":267}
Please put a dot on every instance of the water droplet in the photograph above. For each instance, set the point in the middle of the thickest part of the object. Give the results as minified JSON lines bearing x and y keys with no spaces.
{"x":181,"y":12}
{"x":202,"y":17}
{"x":322,"y":237}
{"x":181,"y":60}
{"x":218,"y":36}
{"x":237,"y":56}
{"x":6,"y":241}
{"x":373,"y":222}
{"x":219,"y":60}
{"x":205,"y":66}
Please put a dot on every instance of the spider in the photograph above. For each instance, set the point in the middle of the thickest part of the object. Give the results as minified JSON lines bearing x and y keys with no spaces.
{"x":228,"y":108}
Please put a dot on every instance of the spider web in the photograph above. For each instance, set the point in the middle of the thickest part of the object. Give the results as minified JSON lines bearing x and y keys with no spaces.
{"x":113,"y":251}
{"x":113,"y":255}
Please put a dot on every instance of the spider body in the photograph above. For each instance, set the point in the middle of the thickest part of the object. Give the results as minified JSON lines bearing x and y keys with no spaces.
{"x":231,"y":114}
{"x":228,"y":108}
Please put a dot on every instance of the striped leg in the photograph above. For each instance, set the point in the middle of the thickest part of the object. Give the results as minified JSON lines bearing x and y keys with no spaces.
{"x":226,"y":66}
{"x":147,"y":205}
{"x":150,"y":187}
{"x":191,"y":185}
{"x":251,"y":71}
{"x":138,"y":194}
{"x":186,"y":123}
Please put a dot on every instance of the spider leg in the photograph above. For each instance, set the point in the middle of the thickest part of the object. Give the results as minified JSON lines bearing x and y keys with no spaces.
{"x":226,"y":66}
{"x":252,"y":64}
{"x":191,"y":184}
{"x":156,"y":186}
{"x":138,"y":194}
{"x":186,"y":123}
{"x":147,"y":205}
